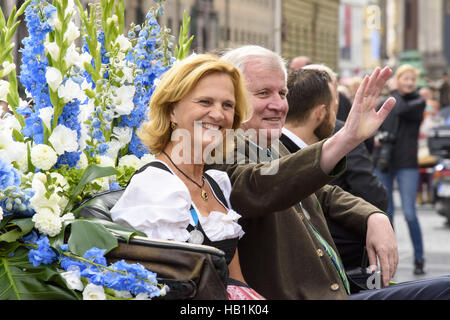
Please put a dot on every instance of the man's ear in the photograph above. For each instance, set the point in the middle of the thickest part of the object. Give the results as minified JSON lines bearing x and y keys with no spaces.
{"x":320,"y":112}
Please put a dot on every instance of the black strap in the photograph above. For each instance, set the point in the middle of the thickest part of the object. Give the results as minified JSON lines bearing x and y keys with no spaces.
{"x":157,"y":164}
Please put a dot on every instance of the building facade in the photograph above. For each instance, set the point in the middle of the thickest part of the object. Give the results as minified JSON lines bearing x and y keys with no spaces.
{"x":311,"y":28}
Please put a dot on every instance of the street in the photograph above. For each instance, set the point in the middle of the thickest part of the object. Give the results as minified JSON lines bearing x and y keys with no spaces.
{"x":436,"y":241}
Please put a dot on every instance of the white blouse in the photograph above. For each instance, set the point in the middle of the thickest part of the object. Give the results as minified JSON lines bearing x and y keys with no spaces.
{"x":158,"y":203}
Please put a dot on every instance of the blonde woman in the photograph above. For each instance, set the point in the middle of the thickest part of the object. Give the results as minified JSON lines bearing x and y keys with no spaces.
{"x":395,"y":153}
{"x":191,"y":111}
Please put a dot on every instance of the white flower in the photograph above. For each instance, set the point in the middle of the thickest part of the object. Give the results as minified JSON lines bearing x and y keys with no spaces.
{"x":73,"y":280}
{"x":130,"y":160}
{"x":4,"y":89}
{"x":83,"y":162}
{"x":1,"y":213}
{"x":8,"y":67}
{"x":72,"y":33}
{"x":46,"y":116}
{"x":11,"y":150}
{"x":94,"y":292}
{"x":72,"y":57}
{"x":38,"y":183}
{"x":124,"y":99}
{"x":70,"y":90}
{"x":123,"y":134}
{"x":142,"y":296}
{"x":54,"y":78}
{"x":85,"y":57}
{"x":43,"y":156}
{"x":113,"y":148}
{"x":105,"y":161}
{"x":54,"y":22}
{"x":123,"y":294}
{"x":53,"y":49}
{"x":40,"y":203}
{"x":64,"y":139}
{"x":146,"y":158}
{"x":123,"y":42}
{"x":47,"y":222}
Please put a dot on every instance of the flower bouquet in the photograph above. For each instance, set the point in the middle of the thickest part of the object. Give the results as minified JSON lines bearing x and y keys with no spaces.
{"x":71,"y":135}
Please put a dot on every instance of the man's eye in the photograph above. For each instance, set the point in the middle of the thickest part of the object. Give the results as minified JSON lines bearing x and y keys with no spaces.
{"x":283,"y":94}
{"x":262,"y":93}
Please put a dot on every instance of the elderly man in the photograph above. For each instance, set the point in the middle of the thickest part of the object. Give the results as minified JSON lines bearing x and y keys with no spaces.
{"x":288,"y":251}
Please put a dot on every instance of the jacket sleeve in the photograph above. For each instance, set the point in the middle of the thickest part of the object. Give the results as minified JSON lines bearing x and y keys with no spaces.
{"x":360,"y":180}
{"x":345,"y":209}
{"x":296,"y":176}
{"x":411,"y":109}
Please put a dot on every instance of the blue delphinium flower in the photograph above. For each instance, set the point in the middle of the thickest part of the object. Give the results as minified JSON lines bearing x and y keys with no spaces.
{"x":44,"y":254}
{"x":9,"y":176}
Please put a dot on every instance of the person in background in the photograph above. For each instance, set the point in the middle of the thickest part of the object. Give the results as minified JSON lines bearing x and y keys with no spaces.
{"x":444,"y":91}
{"x":299,"y":62}
{"x":173,"y":197}
{"x":285,"y":228}
{"x":395,"y":154}
{"x":426,"y":160}
{"x":311,"y":118}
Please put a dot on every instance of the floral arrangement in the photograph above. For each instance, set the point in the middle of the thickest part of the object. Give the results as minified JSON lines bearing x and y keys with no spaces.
{"x":71,"y":135}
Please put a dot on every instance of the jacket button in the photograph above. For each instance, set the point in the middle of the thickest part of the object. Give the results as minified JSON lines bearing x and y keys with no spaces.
{"x":319,"y":252}
{"x":334,"y":287}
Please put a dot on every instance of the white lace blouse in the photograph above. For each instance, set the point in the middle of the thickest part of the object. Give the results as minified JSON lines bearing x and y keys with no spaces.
{"x":158,"y":203}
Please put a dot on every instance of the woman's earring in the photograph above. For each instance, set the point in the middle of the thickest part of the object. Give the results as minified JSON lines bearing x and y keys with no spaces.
{"x":172,"y":125}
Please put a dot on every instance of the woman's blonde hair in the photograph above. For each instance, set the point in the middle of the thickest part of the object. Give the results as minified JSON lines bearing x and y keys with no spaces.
{"x":175,"y":84}
{"x":404,"y":68}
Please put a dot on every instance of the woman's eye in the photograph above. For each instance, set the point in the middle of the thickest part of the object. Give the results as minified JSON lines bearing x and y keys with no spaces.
{"x":205,"y":102}
{"x":228,"y":105}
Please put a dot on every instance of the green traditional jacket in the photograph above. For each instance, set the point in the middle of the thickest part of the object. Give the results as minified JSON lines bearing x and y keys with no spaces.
{"x":280,"y":256}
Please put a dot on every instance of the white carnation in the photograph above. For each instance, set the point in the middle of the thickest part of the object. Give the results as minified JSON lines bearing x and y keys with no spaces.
{"x":94,"y":292}
{"x":130,"y":161}
{"x":54,"y":78}
{"x":43,"y":156}
{"x":8,"y":67}
{"x":64,"y":139}
{"x":47,"y":222}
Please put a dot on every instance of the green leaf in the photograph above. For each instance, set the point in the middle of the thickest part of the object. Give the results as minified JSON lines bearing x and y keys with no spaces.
{"x":17,"y":135}
{"x":91,"y":173}
{"x":85,"y":235}
{"x":20,"y":280}
{"x":24,"y":226}
{"x":11,"y":236}
{"x":117,"y":229}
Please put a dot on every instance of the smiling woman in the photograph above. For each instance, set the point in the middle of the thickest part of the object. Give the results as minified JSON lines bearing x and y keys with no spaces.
{"x":200,"y":99}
